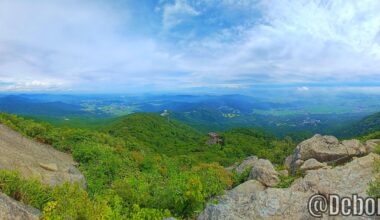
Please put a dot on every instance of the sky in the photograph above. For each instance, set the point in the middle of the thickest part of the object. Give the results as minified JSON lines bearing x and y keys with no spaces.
{"x":192,"y":45}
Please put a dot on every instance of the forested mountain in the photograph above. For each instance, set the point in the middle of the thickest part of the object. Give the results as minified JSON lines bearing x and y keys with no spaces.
{"x":156,"y":133}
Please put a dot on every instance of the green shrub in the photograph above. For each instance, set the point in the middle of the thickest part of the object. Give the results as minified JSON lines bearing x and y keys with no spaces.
{"x":70,"y":201}
{"x":29,"y":192}
{"x":62,"y":202}
{"x":239,"y":178}
{"x":286,"y":181}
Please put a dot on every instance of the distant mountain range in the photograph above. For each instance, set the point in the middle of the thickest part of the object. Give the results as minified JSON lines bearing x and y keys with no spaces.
{"x":26,"y":106}
{"x":203,"y":112}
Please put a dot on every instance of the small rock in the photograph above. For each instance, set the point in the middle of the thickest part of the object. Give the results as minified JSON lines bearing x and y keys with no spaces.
{"x":49,"y":166}
{"x":371,"y":145}
{"x":312,"y":164}
{"x":249,"y":186}
{"x":288,"y":162}
{"x":265,"y":173}
{"x":299,"y":163}
{"x":249,"y":162}
{"x":283,"y":172}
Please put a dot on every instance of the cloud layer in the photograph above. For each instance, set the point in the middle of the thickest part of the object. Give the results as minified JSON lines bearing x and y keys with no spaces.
{"x":122,"y":46}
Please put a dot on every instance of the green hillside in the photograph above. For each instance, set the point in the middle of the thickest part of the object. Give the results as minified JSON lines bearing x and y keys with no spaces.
{"x":142,"y":166}
{"x":152,"y":132}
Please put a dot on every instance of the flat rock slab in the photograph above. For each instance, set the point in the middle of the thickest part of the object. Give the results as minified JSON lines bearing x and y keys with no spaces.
{"x":33,"y":159}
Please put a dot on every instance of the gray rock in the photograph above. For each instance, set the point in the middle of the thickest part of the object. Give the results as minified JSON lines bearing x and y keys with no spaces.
{"x":247,"y":187}
{"x":264,"y":172}
{"x":288,"y":162}
{"x":291,"y":203}
{"x":248,"y":163}
{"x":324,"y":149}
{"x":371,"y":145}
{"x":283,"y":173}
{"x":49,"y":166}
{"x":312,"y":164}
{"x":10,"y":209}
{"x":328,"y":148}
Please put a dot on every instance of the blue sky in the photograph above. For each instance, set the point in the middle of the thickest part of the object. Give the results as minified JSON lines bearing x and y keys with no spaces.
{"x":188,"y":45}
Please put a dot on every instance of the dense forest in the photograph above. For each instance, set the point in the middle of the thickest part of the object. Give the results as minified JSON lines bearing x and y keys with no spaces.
{"x":142,"y":166}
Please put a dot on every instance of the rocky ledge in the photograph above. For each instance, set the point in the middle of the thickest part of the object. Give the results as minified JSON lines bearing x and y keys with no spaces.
{"x":33,"y":159}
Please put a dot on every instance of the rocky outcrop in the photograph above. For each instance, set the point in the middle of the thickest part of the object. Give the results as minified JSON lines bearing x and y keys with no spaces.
{"x":324,"y":149}
{"x":291,"y":203}
{"x":10,"y":209}
{"x":264,"y":172}
{"x":328,"y":148}
{"x":33,"y":159}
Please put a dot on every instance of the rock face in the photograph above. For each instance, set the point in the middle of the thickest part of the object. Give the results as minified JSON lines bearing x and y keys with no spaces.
{"x":33,"y":159}
{"x":291,"y":203}
{"x":10,"y":209}
{"x":264,"y":172}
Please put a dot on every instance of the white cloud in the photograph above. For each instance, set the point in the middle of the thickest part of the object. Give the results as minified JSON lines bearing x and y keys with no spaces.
{"x":175,"y":14}
{"x":33,"y":85}
{"x":297,"y":41}
{"x":303,"y":89}
{"x":82,"y":43}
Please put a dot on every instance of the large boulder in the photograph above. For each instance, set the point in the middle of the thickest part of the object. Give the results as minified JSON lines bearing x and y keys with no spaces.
{"x":264,"y":172}
{"x":324,"y":149}
{"x":291,"y":203}
{"x":33,"y":159}
{"x":10,"y":209}
{"x":328,"y":148}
